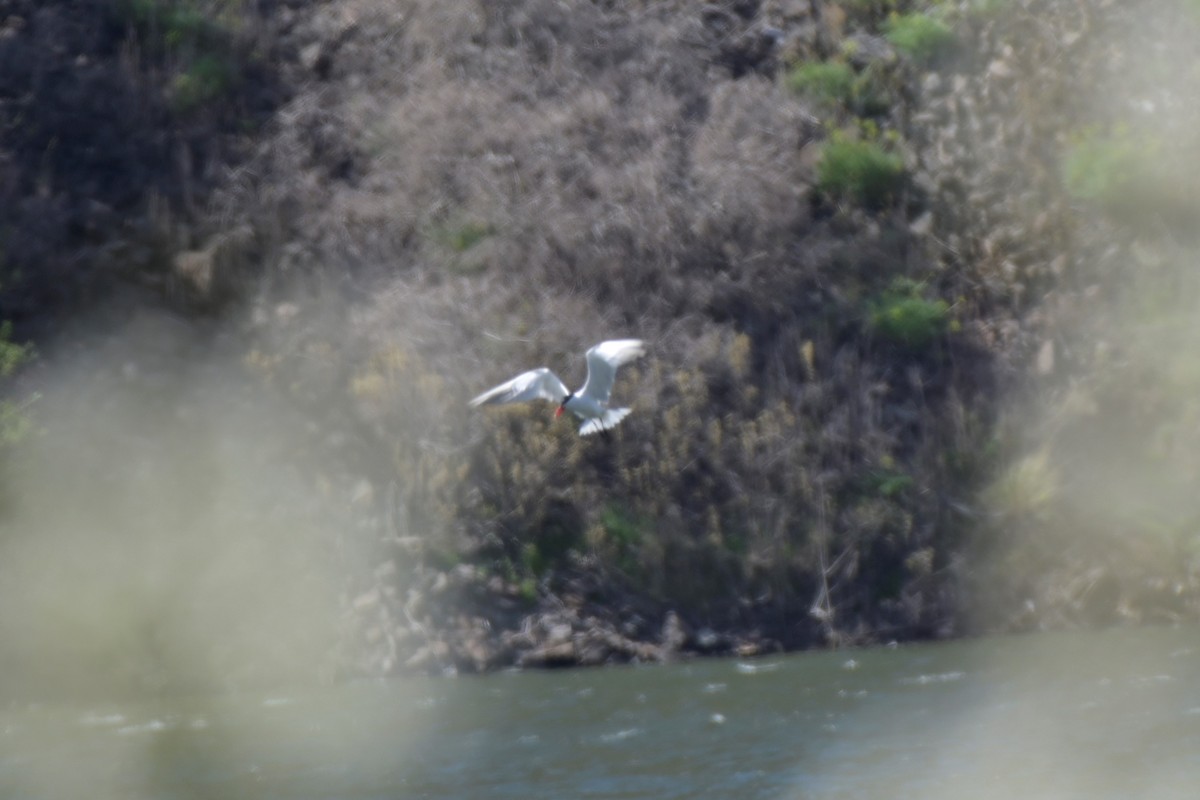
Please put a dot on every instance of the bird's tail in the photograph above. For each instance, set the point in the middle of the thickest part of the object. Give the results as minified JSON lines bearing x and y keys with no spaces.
{"x":610,"y":419}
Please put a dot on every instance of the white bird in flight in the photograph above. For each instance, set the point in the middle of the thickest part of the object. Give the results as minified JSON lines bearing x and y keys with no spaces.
{"x":589,"y":403}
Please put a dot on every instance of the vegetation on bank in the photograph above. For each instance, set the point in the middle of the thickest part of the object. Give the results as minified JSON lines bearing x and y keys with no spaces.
{"x":865,"y":263}
{"x":771,"y":487}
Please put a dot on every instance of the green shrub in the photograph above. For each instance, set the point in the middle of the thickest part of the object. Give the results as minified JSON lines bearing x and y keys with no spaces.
{"x":208,"y":78}
{"x":534,"y":560}
{"x":889,"y":483}
{"x":527,"y":589}
{"x":170,"y":25}
{"x":903,"y":316}
{"x":921,"y":37}
{"x":624,"y":535}
{"x":870,"y":96}
{"x":861,"y":170}
{"x":183,"y":24}
{"x":836,"y":82}
{"x":832,"y":81}
{"x":196,"y":41}
{"x":621,"y":528}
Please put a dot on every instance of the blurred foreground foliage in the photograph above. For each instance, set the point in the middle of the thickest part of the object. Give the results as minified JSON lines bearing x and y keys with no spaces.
{"x":1092,"y":516}
{"x":15,"y":421}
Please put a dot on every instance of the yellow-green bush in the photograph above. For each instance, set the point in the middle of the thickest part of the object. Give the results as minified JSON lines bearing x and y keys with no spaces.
{"x":922,"y":37}
{"x":837,"y":83}
{"x":903,"y":315}
{"x":861,"y":170}
{"x":832,"y":81}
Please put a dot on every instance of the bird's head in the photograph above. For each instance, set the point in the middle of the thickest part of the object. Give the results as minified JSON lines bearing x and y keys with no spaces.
{"x":562,"y":406}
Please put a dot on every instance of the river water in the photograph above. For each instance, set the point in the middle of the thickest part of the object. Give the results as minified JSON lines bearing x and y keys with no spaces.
{"x":1114,"y":714}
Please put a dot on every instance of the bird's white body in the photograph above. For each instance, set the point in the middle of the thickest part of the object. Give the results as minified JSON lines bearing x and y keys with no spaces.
{"x":590,"y":403}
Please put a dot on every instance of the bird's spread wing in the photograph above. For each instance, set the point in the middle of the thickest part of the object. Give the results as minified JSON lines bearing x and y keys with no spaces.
{"x":603,"y":360}
{"x":537,"y":384}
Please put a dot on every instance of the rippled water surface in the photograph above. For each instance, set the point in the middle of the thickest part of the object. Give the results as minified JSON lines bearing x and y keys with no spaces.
{"x":1106,"y":715}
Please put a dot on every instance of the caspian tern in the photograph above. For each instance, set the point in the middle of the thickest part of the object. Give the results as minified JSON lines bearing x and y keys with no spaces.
{"x":589,"y":403}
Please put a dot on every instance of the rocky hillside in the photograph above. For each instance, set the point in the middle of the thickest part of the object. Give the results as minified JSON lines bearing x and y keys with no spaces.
{"x":913,"y":277}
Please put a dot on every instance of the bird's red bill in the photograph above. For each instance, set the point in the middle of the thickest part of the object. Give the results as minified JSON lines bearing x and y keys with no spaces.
{"x":558,"y":412}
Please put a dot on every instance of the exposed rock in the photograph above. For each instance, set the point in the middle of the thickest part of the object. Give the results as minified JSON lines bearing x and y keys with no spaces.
{"x":214,"y":273}
{"x":673,"y":637}
{"x":559,"y":654}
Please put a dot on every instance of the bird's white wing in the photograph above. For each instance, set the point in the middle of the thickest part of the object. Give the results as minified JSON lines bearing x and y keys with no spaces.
{"x":537,"y":384}
{"x":603,"y":360}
